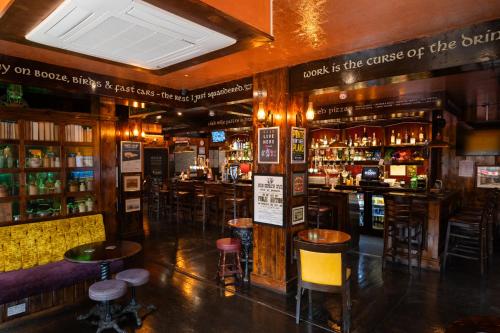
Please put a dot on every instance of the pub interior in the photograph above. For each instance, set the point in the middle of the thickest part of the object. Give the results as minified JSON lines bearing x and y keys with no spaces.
{"x":195,"y":166}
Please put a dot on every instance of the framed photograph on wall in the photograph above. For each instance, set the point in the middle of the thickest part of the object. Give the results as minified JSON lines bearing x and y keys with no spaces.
{"x":298,"y":184}
{"x":132,"y":183}
{"x":268,"y":197}
{"x":298,"y":145}
{"x":298,"y":215}
{"x":488,"y":176}
{"x":268,"y":145}
{"x":132,"y":205}
{"x":130,"y":156}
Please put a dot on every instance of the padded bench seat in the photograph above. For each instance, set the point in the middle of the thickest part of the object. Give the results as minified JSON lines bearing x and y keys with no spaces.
{"x":16,"y":285}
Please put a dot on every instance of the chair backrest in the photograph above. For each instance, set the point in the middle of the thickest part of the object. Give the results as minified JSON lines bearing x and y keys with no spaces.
{"x":397,"y":209}
{"x":229,"y":191}
{"x":313,"y":197}
{"x":321,"y":266}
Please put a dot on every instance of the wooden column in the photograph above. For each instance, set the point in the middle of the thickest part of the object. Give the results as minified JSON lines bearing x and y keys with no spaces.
{"x":106,"y":107}
{"x":273,"y":264}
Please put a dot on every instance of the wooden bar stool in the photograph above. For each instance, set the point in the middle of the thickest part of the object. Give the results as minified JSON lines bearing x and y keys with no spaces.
{"x":203,"y":201}
{"x":179,"y":198}
{"x":315,"y":209}
{"x":231,"y":247}
{"x":403,"y":230}
{"x":232,"y":205}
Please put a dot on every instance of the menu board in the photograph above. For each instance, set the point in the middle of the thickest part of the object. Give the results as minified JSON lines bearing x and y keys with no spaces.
{"x":268,"y":199}
{"x":269,"y":145}
{"x":298,"y":143}
{"x":131,"y":158}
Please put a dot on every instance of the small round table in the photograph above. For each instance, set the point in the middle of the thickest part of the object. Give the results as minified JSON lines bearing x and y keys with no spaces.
{"x":324,"y":236}
{"x":102,"y":253}
{"x":486,"y":324}
{"x":243,"y":228}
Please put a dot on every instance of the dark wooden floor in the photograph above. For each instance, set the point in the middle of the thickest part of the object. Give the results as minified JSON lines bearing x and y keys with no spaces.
{"x":183,"y":265}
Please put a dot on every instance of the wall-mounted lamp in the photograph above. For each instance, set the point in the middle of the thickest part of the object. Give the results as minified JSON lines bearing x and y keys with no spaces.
{"x":143,"y":134}
{"x":261,"y":113}
{"x":310,"y":112}
{"x":135,"y":132}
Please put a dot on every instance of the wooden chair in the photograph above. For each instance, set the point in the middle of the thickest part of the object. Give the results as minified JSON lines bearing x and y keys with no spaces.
{"x":467,"y":235}
{"x":315,"y":209}
{"x":232,"y":205}
{"x":203,"y":200}
{"x":404,"y":224}
{"x":323,"y":268}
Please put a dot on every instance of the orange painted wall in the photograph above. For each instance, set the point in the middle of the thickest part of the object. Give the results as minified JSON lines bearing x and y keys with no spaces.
{"x":256,"y":13}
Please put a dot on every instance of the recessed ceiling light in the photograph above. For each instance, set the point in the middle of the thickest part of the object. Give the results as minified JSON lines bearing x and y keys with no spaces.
{"x":133,"y":32}
{"x":158,"y":117}
{"x":186,"y":75}
{"x":179,"y":113}
{"x":211,"y":113}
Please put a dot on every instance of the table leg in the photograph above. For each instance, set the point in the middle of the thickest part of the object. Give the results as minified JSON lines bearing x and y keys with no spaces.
{"x":246,"y":241}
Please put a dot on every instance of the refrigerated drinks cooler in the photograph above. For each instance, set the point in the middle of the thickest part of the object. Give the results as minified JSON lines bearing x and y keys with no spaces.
{"x":371,"y":213}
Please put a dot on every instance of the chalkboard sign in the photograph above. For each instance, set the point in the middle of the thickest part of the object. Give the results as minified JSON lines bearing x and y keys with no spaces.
{"x":156,"y":162}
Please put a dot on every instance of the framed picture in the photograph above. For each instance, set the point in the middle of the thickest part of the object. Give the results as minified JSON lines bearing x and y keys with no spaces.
{"x":132,"y":205}
{"x":298,"y":145}
{"x":298,"y":184}
{"x":268,"y":197}
{"x":130,"y":156}
{"x":488,"y":176}
{"x":132,"y":183}
{"x":298,"y":215}
{"x":268,"y":145}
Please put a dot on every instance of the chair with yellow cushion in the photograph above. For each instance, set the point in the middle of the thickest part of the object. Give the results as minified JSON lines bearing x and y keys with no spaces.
{"x":323,"y":268}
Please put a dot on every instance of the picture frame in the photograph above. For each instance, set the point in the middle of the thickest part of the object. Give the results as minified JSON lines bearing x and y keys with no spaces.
{"x":132,"y":205}
{"x":298,"y":215}
{"x":130,"y":156}
{"x":268,"y":145}
{"x":299,"y":184}
{"x":268,"y":203}
{"x":298,"y":145}
{"x":131,"y":183}
{"x":488,"y":176}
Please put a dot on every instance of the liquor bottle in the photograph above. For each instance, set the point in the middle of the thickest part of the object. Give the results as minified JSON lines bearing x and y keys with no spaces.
{"x":350,"y":141}
{"x":407,"y":138}
{"x":356,"y":140}
{"x":364,"y":139}
{"x":413,"y":140}
{"x":421,"y":135}
{"x":374,"y":140}
{"x":398,"y":139}
{"x":393,"y":138}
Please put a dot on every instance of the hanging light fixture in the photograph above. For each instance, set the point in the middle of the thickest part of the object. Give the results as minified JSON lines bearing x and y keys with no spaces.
{"x":310,"y":112}
{"x":261,"y":113}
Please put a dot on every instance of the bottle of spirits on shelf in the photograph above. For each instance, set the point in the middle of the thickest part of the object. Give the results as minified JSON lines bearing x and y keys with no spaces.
{"x":364,"y":139}
{"x":393,"y":138}
{"x":407,"y":138}
{"x":398,"y":139}
{"x":349,"y":143}
{"x":374,"y":140}
{"x":421,"y":137}
{"x":312,"y":143}
{"x":413,"y":140}
{"x":356,"y":140}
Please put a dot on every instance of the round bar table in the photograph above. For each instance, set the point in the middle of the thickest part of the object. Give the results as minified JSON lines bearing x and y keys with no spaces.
{"x":243,"y":228}
{"x":102,"y":253}
{"x":324,"y":236}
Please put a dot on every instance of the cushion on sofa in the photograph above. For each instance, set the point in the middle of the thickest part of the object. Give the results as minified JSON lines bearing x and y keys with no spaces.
{"x":18,"y":284}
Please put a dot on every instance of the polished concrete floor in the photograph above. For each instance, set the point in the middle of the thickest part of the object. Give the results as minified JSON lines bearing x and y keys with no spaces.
{"x":183,"y":265}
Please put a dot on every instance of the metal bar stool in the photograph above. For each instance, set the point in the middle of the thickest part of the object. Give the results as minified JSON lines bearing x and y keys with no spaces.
{"x":232,"y":204}
{"x":203,"y":200}
{"x":315,"y":209}
{"x":105,"y":292}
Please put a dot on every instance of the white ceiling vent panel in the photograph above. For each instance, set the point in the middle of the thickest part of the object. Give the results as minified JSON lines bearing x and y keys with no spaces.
{"x":128,"y":31}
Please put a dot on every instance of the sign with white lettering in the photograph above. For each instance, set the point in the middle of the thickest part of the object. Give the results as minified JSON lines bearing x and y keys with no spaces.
{"x":131,"y":156}
{"x":452,"y":49}
{"x":268,"y":196}
{"x":268,"y":145}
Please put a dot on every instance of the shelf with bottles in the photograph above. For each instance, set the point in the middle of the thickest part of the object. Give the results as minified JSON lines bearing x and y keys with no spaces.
{"x":79,"y":205}
{"x":239,"y":149}
{"x":43,"y":183}
{"x":9,"y":156}
{"x":408,"y":134}
{"x":76,"y":133}
{"x":9,"y":185}
{"x":364,"y":136}
{"x":40,"y":208}
{"x":9,"y":211}
{"x":79,"y":157}
{"x":405,"y":156}
{"x":80,"y":181}
{"x":42,"y":156}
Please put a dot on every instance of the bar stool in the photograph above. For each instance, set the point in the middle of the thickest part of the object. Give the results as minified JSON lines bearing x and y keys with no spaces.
{"x":203,"y":200}
{"x":134,"y":277}
{"x":106,"y":291}
{"x":179,"y":195}
{"x":232,"y":247}
{"x":165,"y":202}
{"x":315,"y":209}
{"x":232,"y":204}
{"x":403,"y":230}
{"x":467,"y":236}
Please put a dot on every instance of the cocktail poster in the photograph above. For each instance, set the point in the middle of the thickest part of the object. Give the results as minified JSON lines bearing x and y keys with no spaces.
{"x":298,"y":145}
{"x":268,"y":199}
{"x":131,"y":157}
{"x":269,"y":145}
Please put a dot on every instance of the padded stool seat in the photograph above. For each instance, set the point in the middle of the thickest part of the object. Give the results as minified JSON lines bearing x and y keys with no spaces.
{"x":228,"y":244}
{"x":107,"y":290}
{"x":135,"y":276}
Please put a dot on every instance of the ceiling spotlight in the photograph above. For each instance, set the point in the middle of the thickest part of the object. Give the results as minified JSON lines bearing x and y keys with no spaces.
{"x":179,"y":113}
{"x":211,"y":113}
{"x":343,"y":95}
{"x":158,"y":117}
